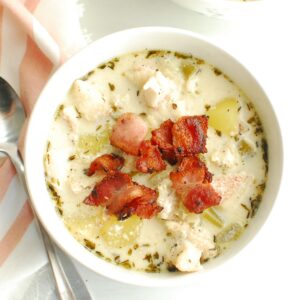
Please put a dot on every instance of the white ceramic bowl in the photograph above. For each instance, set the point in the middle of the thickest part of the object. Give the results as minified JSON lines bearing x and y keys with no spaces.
{"x":228,"y":9}
{"x":100,"y":51}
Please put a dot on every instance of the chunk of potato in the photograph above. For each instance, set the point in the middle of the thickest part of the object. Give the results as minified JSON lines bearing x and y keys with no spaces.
{"x":120,"y":233}
{"x":92,"y":144}
{"x":86,"y":224}
{"x":224,"y":116}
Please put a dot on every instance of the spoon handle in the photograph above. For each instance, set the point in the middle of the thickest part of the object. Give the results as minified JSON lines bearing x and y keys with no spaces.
{"x":69,"y":283}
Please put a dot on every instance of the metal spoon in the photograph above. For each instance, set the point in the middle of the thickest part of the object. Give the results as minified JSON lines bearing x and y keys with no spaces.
{"x":68,"y":281}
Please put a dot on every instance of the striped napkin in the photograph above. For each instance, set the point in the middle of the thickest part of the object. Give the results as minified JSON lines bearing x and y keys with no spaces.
{"x":36,"y":36}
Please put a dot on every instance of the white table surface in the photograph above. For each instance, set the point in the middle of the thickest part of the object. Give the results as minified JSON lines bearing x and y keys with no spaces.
{"x":269,"y":267}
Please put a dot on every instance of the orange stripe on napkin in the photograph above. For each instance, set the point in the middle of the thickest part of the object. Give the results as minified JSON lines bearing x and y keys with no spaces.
{"x":16,"y":232}
{"x":7,"y":172}
{"x":34,"y":72}
{"x":1,"y":20}
{"x":31,"y":4}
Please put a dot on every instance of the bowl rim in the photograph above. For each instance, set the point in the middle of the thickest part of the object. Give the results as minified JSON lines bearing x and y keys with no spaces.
{"x":117,"y":273}
{"x":227,"y":9}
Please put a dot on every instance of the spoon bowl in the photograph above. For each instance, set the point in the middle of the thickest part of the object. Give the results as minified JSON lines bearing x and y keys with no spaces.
{"x":12,"y":117}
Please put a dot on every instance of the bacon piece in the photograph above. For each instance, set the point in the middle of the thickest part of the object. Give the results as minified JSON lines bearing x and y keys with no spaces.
{"x":200,"y":198}
{"x":110,"y":186}
{"x":150,"y":159}
{"x":162,"y":137}
{"x":144,"y":206}
{"x":128,"y":133}
{"x":193,"y":163}
{"x":192,"y":184}
{"x":107,"y":163}
{"x":189,"y":135}
{"x":123,"y":197}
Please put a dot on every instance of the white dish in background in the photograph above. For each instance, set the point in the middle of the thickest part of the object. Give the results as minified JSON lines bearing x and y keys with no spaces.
{"x":227,"y":9}
{"x":101,"y":51}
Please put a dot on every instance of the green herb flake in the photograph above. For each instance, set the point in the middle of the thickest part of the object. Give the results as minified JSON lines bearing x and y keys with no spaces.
{"x":218,"y":132}
{"x":79,"y":116}
{"x":248,"y":210}
{"x":174,"y":106}
{"x":187,"y":70}
{"x":255,"y":203}
{"x":152,"y":53}
{"x":182,"y":55}
{"x":103,"y":66}
{"x":264,"y":146}
{"x":207,"y":107}
{"x":59,"y":112}
{"x":171,"y":268}
{"x":52,"y":190}
{"x":111,"y":86}
{"x":148,"y":257}
{"x":111,"y":65}
{"x":244,"y":147}
{"x":48,"y":146}
{"x":89,"y":244}
{"x":217,"y":71}
{"x":251,"y":120}
{"x":249,"y":106}
{"x":261,"y":187}
{"x":258,"y":130}
{"x":88,"y":75}
{"x":200,"y":61}
{"x":99,"y":254}
{"x":125,"y":264}
{"x":59,"y":210}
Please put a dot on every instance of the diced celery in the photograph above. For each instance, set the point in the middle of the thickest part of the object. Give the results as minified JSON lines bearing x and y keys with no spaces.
{"x":230,"y":233}
{"x":212,"y":216}
{"x":245,"y":148}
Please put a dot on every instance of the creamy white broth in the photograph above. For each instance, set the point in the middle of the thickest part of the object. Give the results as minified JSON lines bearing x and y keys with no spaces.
{"x":174,"y":239}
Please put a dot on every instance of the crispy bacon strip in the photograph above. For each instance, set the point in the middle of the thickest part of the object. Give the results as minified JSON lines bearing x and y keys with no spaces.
{"x":128,"y":133}
{"x":107,"y":163}
{"x":192,"y":184}
{"x":123,"y":197}
{"x":162,"y":137}
{"x":189,"y":135}
{"x":150,"y":159}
